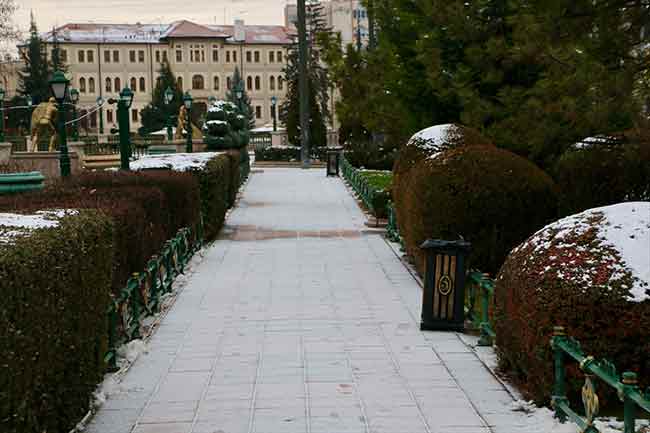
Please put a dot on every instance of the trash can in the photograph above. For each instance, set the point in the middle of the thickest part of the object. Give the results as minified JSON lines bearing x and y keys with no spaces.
{"x":333,"y":160}
{"x":443,"y":298}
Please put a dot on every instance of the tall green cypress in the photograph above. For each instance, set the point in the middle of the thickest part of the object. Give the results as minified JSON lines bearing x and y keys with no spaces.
{"x":33,"y":79}
{"x":155,"y":116}
{"x":237,"y":81}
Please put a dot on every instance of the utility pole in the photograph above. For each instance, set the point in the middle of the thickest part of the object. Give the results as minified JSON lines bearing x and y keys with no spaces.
{"x":303,"y":84}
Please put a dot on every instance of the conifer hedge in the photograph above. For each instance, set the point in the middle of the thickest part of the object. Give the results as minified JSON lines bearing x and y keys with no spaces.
{"x":54,"y":294}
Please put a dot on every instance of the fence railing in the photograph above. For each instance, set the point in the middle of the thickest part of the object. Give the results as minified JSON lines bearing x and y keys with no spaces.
{"x":18,"y":143}
{"x":626,"y":388}
{"x":263,"y":140}
{"x":142,"y":295}
{"x":373,"y":199}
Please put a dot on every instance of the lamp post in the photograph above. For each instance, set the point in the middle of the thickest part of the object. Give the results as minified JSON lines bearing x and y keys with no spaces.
{"x":100,"y":102}
{"x":274,"y":105}
{"x":187,"y":101}
{"x":239,"y":93}
{"x":29,"y":102}
{"x":169,"y":97}
{"x":74,"y":98}
{"x":2,"y":114}
{"x":123,"y":106}
{"x":212,"y":100}
{"x":59,"y":87}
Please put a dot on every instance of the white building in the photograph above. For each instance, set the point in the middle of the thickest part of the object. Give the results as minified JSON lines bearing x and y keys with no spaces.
{"x":102,"y":59}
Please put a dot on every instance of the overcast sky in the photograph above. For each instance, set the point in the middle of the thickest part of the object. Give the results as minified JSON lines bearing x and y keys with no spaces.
{"x":49,"y":13}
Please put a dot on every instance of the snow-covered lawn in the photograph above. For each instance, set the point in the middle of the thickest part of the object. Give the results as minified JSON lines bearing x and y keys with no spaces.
{"x":174,"y":161}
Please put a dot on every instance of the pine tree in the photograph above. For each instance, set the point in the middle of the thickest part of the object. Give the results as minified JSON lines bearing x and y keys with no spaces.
{"x":155,"y":116}
{"x":237,"y":82}
{"x":57,"y":62}
{"x":318,"y":81}
{"x":33,"y":79}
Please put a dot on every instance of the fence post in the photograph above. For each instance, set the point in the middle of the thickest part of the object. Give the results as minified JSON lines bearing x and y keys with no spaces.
{"x":486,"y":339}
{"x":559,"y":388}
{"x":629,"y":406}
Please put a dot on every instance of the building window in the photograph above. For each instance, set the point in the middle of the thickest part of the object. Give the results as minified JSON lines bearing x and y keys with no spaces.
{"x":179,"y":81}
{"x":132,"y":56}
{"x":272,"y":83}
{"x":249,"y":83}
{"x":227,"y":56}
{"x":91,"y":85}
{"x":143,"y":87}
{"x":216,"y":83}
{"x":64,"y":56}
{"x":93,"y":120}
{"x":257,"y":56}
{"x":134,"y":84}
{"x":279,"y":56}
{"x":116,"y":56}
{"x":258,"y":112}
{"x":134,"y":115}
{"x":118,"y":85}
{"x":90,"y":56}
{"x":82,"y":85}
{"x":229,"y":83}
{"x":107,"y":57}
{"x":198,"y":82}
{"x":109,"y":85}
{"x":280,"y":83}
{"x":258,"y":83}
{"x":234,"y":56}
{"x":81,"y":56}
{"x":164,"y":56}
{"x":157,"y":56}
{"x":141,"y":56}
{"x":271,"y":56}
{"x":249,"y":57}
{"x":179,"y":56}
{"x":109,"y":116}
{"x":215,"y":55}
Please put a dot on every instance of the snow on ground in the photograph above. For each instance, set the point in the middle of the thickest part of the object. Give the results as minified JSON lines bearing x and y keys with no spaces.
{"x":590,"y":142}
{"x":624,"y":227}
{"x":174,"y":161}
{"x":13,"y":225}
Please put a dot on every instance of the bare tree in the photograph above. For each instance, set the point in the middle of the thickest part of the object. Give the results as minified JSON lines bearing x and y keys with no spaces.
{"x":8,"y":31}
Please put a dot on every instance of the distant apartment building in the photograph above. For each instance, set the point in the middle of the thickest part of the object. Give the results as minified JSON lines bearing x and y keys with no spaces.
{"x":347,"y":17}
{"x":103,"y":59}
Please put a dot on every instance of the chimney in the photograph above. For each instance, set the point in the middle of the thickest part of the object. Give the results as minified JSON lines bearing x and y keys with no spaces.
{"x":240,"y":31}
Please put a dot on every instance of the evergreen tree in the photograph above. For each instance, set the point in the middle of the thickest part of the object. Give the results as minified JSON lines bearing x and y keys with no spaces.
{"x":318,"y":81}
{"x":33,"y":79}
{"x":155,"y":116}
{"x":57,"y":62}
{"x":237,"y":82}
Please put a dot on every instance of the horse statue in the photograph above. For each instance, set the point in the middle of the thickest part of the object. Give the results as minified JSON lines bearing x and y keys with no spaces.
{"x":43,"y":119}
{"x":183,"y":121}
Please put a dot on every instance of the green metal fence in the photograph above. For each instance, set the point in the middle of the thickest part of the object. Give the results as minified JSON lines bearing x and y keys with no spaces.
{"x":626,"y":388}
{"x":480,"y":289}
{"x":142,"y":295}
{"x":373,"y":199}
{"x":18,"y":143}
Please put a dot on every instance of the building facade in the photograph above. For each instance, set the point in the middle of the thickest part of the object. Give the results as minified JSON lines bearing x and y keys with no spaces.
{"x":104,"y":59}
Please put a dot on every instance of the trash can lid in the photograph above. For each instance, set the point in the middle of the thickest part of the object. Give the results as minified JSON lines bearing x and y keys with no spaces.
{"x":441,"y":244}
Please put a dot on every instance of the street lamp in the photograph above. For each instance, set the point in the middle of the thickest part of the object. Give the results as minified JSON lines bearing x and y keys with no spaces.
{"x":168,"y":98}
{"x":29,"y":102}
{"x":100,"y":102}
{"x":2,"y":114}
{"x":239,"y":93}
{"x":274,"y":104}
{"x":74,"y":98}
{"x":59,"y":88}
{"x":212,"y":100}
{"x":187,"y":101}
{"x":123,"y":106}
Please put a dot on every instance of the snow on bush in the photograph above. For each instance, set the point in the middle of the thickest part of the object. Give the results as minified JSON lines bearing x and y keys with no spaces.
{"x":174,"y":161}
{"x":436,"y":139}
{"x":13,"y":225}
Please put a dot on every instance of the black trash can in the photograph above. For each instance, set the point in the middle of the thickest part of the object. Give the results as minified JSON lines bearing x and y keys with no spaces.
{"x":333,"y":160}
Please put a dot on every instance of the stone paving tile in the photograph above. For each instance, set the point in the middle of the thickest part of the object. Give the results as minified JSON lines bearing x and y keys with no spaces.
{"x":297,"y":322}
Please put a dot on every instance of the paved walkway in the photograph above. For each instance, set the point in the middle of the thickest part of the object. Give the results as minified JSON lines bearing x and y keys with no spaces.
{"x":300,"y":320}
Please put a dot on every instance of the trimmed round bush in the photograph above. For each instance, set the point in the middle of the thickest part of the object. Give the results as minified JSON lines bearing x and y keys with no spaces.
{"x":589,"y":273}
{"x":602,"y":171}
{"x":488,"y":196}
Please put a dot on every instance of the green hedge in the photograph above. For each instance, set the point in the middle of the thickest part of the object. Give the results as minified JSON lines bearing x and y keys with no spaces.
{"x":219,"y":183}
{"x":286,"y":154}
{"x":488,"y":196}
{"x":603,"y":174}
{"x":54,"y":288}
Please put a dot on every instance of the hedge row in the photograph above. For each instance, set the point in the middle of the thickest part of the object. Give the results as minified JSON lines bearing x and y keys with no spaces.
{"x":286,"y":154}
{"x":55,"y":287}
